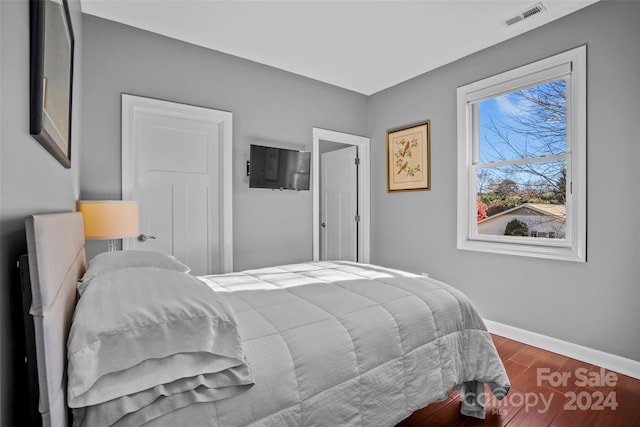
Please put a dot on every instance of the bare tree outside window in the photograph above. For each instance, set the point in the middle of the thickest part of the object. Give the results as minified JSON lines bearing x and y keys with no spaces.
{"x":522,"y":159}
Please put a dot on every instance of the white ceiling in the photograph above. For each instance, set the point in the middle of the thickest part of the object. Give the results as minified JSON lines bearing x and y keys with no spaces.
{"x":361,"y":45}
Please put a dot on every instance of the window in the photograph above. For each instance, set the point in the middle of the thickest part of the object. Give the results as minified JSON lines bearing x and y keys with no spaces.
{"x":522,"y":160}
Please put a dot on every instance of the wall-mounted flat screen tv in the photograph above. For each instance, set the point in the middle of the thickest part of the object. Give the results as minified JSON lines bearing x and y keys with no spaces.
{"x":279,"y":168}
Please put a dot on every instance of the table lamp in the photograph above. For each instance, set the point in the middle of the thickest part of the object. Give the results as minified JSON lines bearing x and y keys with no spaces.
{"x":109,"y":220}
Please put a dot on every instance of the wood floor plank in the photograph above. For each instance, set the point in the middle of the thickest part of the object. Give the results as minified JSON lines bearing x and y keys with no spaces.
{"x":615,"y":405}
{"x":497,"y":412}
{"x":420,"y":416}
{"x":508,"y":348}
{"x":570,"y":367}
{"x":497,"y":340}
{"x":539,"y":408}
{"x":448,"y":416}
{"x":528,"y":355}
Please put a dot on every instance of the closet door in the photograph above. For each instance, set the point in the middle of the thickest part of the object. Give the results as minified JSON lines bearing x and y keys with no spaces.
{"x":174,"y":171}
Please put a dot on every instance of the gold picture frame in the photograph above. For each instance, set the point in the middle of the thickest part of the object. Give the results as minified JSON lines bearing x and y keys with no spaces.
{"x":409,"y":158}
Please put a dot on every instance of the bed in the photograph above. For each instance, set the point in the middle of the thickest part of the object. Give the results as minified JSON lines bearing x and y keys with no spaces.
{"x":310,"y":344}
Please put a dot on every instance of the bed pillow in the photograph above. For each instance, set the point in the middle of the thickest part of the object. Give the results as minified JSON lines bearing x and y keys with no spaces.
{"x":137,"y":330}
{"x":116,"y":260}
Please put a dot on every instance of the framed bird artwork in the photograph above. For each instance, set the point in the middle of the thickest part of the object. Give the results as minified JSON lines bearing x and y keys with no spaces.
{"x":409,"y":158}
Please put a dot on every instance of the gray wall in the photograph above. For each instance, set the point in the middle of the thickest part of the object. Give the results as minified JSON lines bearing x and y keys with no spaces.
{"x":32,"y":181}
{"x":269,"y":106}
{"x":593,"y":304}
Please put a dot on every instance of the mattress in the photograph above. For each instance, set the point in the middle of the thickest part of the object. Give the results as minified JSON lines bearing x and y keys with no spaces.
{"x":340,"y":343}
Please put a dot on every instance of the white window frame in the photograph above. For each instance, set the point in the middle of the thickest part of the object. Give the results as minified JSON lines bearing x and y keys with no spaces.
{"x":570,"y":65}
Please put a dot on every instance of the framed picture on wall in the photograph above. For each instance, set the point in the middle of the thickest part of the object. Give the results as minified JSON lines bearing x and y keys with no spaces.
{"x":409,"y":158}
{"x":51,"y":76}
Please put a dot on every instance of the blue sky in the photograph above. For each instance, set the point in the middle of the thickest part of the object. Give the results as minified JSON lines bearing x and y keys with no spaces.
{"x":505,"y":111}
{"x":500,"y":110}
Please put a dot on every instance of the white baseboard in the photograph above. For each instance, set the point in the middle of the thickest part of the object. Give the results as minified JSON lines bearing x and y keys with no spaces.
{"x":609,"y":361}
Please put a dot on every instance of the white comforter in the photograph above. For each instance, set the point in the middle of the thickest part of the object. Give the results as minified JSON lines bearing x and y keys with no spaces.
{"x":345,"y":344}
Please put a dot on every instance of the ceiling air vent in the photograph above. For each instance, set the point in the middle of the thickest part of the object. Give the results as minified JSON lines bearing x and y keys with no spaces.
{"x":534,"y":10}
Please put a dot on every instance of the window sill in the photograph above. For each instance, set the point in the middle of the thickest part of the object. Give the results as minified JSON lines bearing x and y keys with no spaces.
{"x":560,"y":253}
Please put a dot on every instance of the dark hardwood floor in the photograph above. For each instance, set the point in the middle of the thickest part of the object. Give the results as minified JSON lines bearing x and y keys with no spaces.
{"x":547,"y":389}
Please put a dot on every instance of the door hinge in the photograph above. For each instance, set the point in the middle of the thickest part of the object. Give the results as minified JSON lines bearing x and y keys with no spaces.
{"x":357,"y":161}
{"x":357,"y":218}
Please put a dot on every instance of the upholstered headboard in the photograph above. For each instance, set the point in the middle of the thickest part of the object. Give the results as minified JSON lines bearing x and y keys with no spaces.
{"x":57,"y":259}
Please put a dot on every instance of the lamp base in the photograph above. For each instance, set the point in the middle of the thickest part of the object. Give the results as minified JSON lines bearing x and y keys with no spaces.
{"x":111,"y":245}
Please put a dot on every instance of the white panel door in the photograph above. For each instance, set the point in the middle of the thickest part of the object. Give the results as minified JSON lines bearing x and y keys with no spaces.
{"x":175,"y":163}
{"x":339,"y":205}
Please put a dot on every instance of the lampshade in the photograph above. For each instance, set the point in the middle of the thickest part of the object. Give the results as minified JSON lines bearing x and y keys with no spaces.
{"x":109,"y":219}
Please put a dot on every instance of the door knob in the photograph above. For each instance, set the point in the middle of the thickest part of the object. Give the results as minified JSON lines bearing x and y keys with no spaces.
{"x":144,"y":237}
{"x":323,"y":224}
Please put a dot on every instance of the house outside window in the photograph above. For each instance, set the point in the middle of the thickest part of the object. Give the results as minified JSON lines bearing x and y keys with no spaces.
{"x":522,"y":160}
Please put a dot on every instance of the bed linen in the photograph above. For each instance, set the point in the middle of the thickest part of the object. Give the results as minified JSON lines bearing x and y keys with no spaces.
{"x":347,"y":344}
{"x":145,"y":341}
{"x":107,"y":262}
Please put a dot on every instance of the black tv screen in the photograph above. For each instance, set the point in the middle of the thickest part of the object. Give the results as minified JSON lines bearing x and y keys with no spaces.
{"x":279,"y":168}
